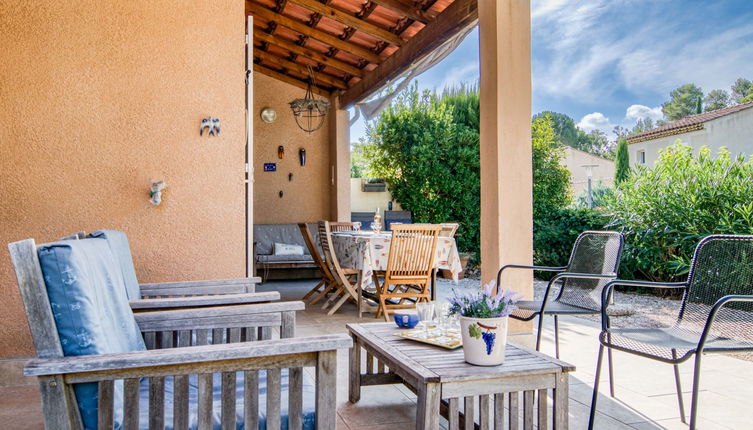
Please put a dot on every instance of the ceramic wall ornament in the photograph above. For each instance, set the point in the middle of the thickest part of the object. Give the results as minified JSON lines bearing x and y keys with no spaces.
{"x":280,"y":194}
{"x":155,"y":192}
{"x":302,"y":156}
{"x":268,"y":115}
{"x":280,"y":152}
{"x":211,"y":124}
{"x":290,"y":177}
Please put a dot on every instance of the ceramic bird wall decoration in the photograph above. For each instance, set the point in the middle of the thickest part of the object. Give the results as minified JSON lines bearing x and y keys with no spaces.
{"x":212,"y":124}
{"x":155,"y":192}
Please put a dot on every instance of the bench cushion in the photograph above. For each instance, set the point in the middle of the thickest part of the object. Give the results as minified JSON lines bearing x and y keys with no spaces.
{"x":265,"y":236}
{"x":88,"y":300}
{"x":120,"y":248}
{"x":309,"y":401}
{"x":284,"y":259}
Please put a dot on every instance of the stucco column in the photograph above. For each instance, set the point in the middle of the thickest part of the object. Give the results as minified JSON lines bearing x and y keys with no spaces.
{"x":506,"y":177}
{"x":339,"y":156}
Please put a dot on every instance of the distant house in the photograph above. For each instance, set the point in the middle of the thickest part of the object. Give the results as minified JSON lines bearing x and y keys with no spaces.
{"x":577,"y":162}
{"x":730,"y":127}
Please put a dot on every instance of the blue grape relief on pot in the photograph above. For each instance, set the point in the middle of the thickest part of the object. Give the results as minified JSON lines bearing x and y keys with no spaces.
{"x":487,"y":335}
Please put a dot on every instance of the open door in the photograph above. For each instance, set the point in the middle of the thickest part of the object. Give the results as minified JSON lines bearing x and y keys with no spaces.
{"x":249,"y":148}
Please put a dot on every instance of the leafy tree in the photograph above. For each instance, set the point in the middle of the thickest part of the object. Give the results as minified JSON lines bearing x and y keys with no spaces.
{"x":741,"y":89}
{"x":358,"y":161}
{"x":565,"y":130}
{"x":683,"y":102}
{"x":716,"y":99}
{"x":551,"y":179}
{"x":664,"y":211}
{"x":643,"y":124}
{"x":699,"y":105}
{"x":748,"y":98}
{"x":621,"y":161}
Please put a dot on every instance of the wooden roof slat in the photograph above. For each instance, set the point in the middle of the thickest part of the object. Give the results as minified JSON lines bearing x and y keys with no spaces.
{"x":293,"y":24}
{"x":309,"y":53}
{"x":289,"y":79}
{"x":403,"y":9}
{"x":299,"y":68}
{"x":459,"y":15}
{"x":350,"y":20}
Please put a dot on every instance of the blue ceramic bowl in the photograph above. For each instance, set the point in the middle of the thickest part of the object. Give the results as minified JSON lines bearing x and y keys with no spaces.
{"x":405,"y":319}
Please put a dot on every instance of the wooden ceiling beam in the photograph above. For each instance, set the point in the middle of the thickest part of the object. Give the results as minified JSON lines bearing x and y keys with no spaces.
{"x":299,"y":68}
{"x":289,"y":79}
{"x":458,"y":16}
{"x":300,"y":27}
{"x":413,"y":13}
{"x":350,"y":20}
{"x":309,"y":53}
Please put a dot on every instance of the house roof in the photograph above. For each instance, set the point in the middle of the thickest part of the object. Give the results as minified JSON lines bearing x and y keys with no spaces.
{"x":687,"y":124}
{"x":352,"y":46}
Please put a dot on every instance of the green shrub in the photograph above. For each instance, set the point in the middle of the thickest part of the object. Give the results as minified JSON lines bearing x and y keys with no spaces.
{"x":621,"y":161}
{"x":554,"y":234}
{"x":600,"y":193}
{"x":666,"y":210}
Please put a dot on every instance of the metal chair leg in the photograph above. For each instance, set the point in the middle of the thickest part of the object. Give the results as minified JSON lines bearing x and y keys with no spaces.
{"x":696,"y":386}
{"x":596,"y":388}
{"x":541,"y":329}
{"x":611,"y":368}
{"x":679,"y":388}
{"x":556,"y":337}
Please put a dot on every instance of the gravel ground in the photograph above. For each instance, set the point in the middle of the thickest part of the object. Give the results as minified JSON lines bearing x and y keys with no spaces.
{"x":630,"y":310}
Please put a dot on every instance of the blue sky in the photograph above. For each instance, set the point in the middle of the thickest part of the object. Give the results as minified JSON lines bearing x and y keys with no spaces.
{"x":612,"y":62}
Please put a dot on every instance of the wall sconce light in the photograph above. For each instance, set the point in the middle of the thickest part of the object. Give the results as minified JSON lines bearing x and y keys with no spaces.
{"x":155,"y":192}
{"x":302,"y":156}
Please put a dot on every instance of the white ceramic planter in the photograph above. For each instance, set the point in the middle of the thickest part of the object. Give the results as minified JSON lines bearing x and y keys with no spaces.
{"x":484,"y":340}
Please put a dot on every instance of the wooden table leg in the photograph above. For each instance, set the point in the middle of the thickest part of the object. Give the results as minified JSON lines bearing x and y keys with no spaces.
{"x":354,"y":388}
{"x":427,"y":415}
{"x":434,"y":284}
{"x":359,"y":278}
{"x":561,"y":399}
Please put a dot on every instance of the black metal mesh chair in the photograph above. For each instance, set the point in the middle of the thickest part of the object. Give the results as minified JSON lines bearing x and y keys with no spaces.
{"x":593,"y":262}
{"x":716,"y":314}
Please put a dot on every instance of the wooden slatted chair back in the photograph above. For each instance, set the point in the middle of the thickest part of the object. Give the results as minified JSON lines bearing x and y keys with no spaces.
{"x":325,"y":237}
{"x":341,"y":226}
{"x":313,"y":249}
{"x":412,"y":251}
{"x":449,"y":229}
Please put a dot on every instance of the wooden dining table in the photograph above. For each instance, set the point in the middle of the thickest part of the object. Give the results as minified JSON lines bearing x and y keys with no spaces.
{"x":368,"y":252}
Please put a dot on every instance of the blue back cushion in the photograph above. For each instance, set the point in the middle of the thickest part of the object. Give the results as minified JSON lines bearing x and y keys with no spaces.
{"x":118,"y":242}
{"x":88,"y":299}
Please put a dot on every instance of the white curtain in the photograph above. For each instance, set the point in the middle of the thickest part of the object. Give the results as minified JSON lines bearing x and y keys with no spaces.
{"x":384,"y":95}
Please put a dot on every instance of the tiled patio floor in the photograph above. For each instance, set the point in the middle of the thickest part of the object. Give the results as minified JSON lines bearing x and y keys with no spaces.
{"x":644,"y":388}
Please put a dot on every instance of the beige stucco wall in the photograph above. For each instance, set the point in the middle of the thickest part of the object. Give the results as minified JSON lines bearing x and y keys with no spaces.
{"x":97,"y":99}
{"x":369,"y":202}
{"x":575,"y":159}
{"x":734,"y":131}
{"x":307,"y":197}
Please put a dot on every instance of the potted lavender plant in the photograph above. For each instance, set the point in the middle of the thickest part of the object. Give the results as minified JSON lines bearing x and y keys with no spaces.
{"x":483,"y":323}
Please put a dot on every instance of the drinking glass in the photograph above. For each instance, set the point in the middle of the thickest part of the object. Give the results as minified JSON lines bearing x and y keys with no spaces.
{"x":425,"y":314}
{"x":442,"y":310}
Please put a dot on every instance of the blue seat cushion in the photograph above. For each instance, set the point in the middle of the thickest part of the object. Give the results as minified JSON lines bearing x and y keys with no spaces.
{"x":87,"y":295}
{"x":309,"y":401}
{"x":120,"y":248}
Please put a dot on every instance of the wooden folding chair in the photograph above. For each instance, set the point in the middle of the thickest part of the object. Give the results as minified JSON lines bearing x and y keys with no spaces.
{"x":409,"y":268}
{"x":346,"y":279}
{"x":328,"y":283}
{"x":448,"y":229}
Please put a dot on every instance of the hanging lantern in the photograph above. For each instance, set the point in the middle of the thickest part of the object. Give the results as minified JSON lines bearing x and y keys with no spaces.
{"x":309,"y":112}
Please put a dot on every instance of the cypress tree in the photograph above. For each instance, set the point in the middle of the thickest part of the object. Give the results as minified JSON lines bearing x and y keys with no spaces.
{"x":699,"y":106}
{"x":622,"y":161}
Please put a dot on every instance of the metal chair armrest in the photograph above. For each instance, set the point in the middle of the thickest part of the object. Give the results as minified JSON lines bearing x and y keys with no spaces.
{"x":732,"y":298}
{"x":565,"y":275}
{"x":534,"y":268}
{"x":607,"y":292}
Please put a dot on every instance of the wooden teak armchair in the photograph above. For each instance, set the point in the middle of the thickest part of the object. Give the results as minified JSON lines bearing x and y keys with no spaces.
{"x":207,"y":357}
{"x":409,"y":268}
{"x":182,"y":294}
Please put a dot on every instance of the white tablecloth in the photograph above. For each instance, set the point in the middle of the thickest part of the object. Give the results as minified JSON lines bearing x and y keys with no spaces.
{"x":368,"y":252}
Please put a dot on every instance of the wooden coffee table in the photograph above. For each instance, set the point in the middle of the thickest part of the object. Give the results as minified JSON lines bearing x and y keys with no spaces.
{"x":442,"y":380}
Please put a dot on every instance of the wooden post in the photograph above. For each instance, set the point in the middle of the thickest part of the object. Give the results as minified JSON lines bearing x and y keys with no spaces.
{"x":326,"y":395}
{"x":339,"y":161}
{"x":506,"y":176}
{"x":429,"y":397}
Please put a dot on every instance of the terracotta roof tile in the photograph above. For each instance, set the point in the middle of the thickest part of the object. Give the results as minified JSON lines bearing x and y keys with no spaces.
{"x":689,"y":123}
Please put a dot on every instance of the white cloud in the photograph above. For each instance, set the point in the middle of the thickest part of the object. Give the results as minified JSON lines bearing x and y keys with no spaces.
{"x":595,"y":121}
{"x":463,"y":74}
{"x":592,"y":51}
{"x":636,"y":112}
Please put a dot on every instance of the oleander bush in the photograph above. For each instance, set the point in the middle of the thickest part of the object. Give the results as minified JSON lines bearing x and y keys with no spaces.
{"x":666,"y":210}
